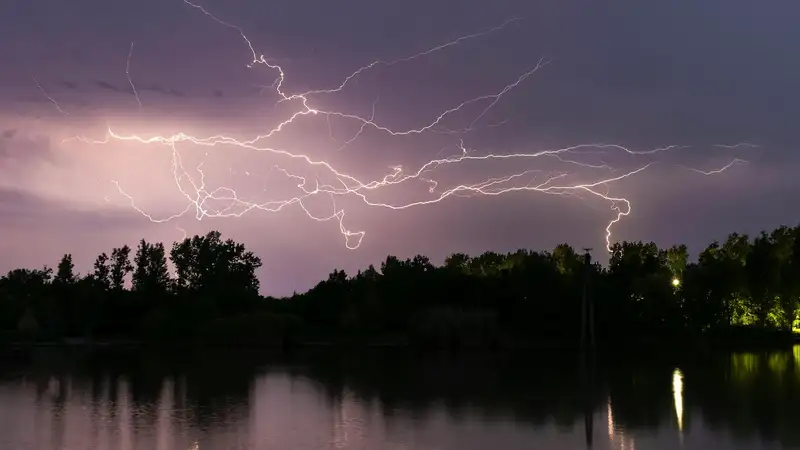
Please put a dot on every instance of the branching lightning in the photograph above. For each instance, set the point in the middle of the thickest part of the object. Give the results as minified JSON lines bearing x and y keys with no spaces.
{"x":717,"y":171}
{"x":739,"y":145}
{"x":204,"y":200}
{"x":48,"y":97}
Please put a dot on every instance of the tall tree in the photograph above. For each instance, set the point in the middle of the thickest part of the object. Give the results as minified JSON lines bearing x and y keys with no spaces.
{"x":458,"y":262}
{"x":677,"y":257}
{"x":391,"y":266}
{"x":120,"y":267}
{"x":102,"y":271}
{"x":421,"y":263}
{"x":65,"y":272}
{"x":723,"y":277}
{"x":783,"y":242}
{"x":158,"y":268}
{"x":151,"y":273}
{"x":793,"y":274}
{"x":141,"y":262}
{"x":487,"y":264}
{"x":763,"y":271}
{"x":567,"y":260}
{"x":207,"y":263}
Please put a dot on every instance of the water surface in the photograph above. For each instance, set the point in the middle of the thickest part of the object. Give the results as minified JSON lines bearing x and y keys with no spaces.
{"x":391,"y":400}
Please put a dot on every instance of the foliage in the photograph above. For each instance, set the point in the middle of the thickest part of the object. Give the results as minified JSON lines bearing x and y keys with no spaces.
{"x":212,"y":296}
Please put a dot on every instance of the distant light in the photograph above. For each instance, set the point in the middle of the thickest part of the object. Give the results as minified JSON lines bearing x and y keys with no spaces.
{"x":676,"y":282}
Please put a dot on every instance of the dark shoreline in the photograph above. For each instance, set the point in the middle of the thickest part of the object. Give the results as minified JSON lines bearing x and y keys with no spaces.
{"x":691,"y":345}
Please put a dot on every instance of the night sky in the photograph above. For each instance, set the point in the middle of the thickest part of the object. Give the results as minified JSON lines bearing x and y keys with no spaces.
{"x":645,"y":75}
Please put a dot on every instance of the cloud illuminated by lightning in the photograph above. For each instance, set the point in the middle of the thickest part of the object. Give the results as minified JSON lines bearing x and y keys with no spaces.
{"x":203,"y":200}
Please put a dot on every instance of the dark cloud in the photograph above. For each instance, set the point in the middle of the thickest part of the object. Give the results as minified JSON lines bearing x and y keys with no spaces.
{"x":69,"y":85}
{"x":32,"y":99}
{"x":164,"y":90}
{"x":155,"y":88}
{"x":37,"y":107}
{"x":19,"y":208}
{"x":641,"y":74}
{"x":37,"y":230}
{"x":8,"y":134}
{"x":109,"y":87}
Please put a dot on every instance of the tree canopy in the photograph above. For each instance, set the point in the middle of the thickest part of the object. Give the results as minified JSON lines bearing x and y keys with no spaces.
{"x":206,"y":288}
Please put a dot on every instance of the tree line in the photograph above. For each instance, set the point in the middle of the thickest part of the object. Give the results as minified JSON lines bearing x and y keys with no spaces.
{"x":525,"y":297}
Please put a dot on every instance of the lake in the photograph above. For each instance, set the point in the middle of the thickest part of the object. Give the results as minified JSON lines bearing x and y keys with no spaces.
{"x":381,"y":400}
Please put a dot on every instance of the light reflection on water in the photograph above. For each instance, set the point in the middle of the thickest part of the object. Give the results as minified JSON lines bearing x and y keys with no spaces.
{"x":677,"y":395}
{"x":737,"y":401}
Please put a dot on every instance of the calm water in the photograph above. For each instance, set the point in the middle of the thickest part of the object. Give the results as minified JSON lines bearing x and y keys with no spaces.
{"x":76,"y":401}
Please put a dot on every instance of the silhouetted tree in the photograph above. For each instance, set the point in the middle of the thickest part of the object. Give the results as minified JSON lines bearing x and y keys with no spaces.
{"x":762,"y":277}
{"x":458,"y":261}
{"x":567,"y":260}
{"x":151,"y":273}
{"x":120,"y":266}
{"x":65,"y":272}
{"x":523,"y":297}
{"x":677,"y":258}
{"x":102,"y":272}
{"x":208,"y":263}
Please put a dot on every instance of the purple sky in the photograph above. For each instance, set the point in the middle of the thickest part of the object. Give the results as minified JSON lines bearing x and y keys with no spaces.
{"x":644,"y":76}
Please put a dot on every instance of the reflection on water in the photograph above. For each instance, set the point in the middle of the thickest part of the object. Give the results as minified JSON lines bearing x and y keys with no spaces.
{"x":795,"y":360}
{"x":617,"y":437}
{"x":392,"y":401}
{"x":677,"y":395}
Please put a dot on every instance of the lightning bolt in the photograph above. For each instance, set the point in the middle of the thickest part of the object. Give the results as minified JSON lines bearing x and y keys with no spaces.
{"x":51,"y":99}
{"x":183,"y":232}
{"x":204,"y":200}
{"x":360,"y":130}
{"x":717,"y":171}
{"x":128,"y":73}
{"x":380,"y":62}
{"x":739,"y":145}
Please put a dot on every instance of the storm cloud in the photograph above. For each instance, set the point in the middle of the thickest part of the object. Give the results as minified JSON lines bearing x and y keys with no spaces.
{"x":704,"y":75}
